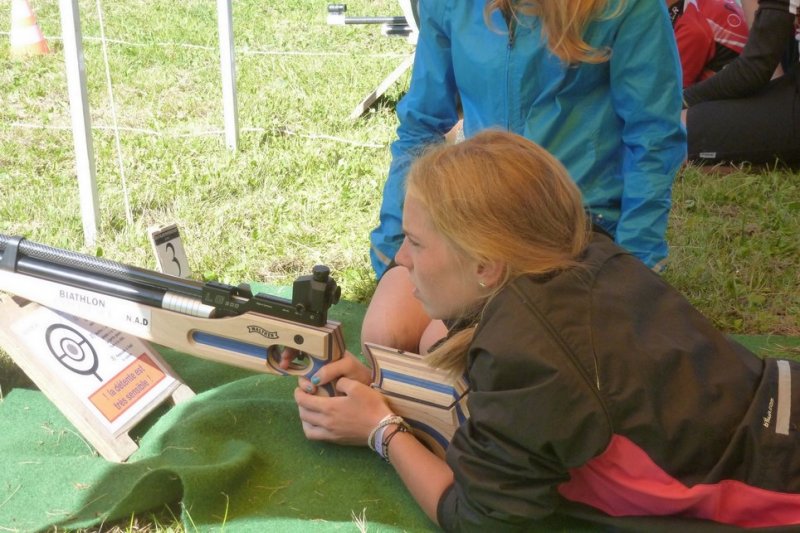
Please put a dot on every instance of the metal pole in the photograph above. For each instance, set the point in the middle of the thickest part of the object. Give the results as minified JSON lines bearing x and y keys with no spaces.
{"x":228,"y":67}
{"x":81,"y":121}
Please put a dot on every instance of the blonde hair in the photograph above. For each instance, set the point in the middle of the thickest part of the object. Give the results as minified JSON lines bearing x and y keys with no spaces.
{"x":500,"y":197}
{"x":563,"y":24}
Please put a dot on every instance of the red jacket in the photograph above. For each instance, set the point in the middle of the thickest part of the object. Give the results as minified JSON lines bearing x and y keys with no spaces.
{"x":710,"y":34}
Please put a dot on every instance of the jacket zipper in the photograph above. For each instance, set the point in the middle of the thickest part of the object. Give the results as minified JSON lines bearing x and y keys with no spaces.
{"x":509,"y":50}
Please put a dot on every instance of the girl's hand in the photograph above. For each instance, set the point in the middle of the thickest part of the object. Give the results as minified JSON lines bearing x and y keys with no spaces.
{"x":344,"y":419}
{"x":346,"y":367}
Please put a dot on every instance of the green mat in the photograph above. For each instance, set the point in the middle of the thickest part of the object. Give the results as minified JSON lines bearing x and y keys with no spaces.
{"x":234,"y":457}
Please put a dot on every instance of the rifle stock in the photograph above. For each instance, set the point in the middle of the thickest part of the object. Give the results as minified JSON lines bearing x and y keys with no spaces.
{"x":218,"y":322}
{"x":433,"y":402}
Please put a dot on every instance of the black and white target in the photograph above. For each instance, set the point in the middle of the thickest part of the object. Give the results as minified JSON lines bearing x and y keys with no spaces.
{"x":73,"y":350}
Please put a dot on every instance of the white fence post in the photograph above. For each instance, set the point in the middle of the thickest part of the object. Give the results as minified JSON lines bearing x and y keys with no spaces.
{"x":228,"y":65}
{"x":81,"y":121}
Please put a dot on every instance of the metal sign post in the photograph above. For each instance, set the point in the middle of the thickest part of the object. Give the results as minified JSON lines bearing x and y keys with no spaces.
{"x":81,"y":121}
{"x":228,"y":66}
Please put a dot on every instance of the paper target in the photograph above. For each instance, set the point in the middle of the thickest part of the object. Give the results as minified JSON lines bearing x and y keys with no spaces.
{"x":73,"y":350}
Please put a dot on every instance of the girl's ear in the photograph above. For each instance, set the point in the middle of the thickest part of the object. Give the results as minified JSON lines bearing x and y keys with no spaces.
{"x":490,"y":273}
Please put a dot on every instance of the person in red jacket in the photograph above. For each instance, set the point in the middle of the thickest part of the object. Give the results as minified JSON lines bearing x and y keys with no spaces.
{"x":750,"y":111}
{"x":710,"y":34}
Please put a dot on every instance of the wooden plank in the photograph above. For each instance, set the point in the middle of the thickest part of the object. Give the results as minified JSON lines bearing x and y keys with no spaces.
{"x":103,"y":381}
{"x":387,"y":82}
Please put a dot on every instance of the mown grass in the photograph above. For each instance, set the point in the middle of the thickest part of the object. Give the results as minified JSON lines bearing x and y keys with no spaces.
{"x":302,"y":189}
{"x":735,"y":248}
{"x":306,"y":183}
{"x":305,"y":186}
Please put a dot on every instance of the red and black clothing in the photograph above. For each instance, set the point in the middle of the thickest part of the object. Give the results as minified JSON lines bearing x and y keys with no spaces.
{"x":743,"y":115}
{"x":602,"y":388}
{"x":710,"y":34}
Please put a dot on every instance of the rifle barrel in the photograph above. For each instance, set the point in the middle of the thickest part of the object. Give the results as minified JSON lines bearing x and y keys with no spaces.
{"x":311,"y":295}
{"x":67,"y":265}
{"x":126,"y":290}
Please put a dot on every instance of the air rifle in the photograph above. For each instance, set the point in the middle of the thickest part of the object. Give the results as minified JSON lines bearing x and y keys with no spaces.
{"x":212,"y":320}
{"x":230,"y":324}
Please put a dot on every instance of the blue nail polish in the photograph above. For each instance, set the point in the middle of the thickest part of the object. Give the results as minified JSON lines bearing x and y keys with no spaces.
{"x":309,"y":388}
{"x":315,"y":380}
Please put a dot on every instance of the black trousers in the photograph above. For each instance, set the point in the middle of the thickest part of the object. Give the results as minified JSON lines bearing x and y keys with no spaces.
{"x":763,"y":129}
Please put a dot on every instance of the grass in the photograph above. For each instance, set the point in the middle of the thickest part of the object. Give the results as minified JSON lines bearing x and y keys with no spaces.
{"x":302,"y":189}
{"x":305,"y":186}
{"x":735,"y":248}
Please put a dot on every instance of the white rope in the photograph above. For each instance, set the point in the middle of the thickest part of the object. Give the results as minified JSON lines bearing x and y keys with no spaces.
{"x":287,"y":131}
{"x":239,"y":50}
{"x":202,"y":133}
{"x":247,"y":51}
{"x":103,"y":40}
{"x":128,"y":212}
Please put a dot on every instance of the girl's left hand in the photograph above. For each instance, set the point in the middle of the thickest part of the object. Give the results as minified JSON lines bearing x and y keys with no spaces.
{"x":344,"y":419}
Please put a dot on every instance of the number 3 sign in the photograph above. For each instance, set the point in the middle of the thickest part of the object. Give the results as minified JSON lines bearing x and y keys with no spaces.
{"x":169,"y":250}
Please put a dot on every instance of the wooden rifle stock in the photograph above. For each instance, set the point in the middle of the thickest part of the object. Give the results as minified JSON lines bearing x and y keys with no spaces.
{"x":433,"y":403}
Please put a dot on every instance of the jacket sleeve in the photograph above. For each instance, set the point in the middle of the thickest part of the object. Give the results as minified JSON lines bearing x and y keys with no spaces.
{"x":531,"y":418}
{"x":646,"y":93}
{"x":426,"y":113}
{"x":772,"y":29}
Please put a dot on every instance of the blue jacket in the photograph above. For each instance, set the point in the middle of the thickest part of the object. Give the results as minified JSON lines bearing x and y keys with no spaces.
{"x":615,"y":125}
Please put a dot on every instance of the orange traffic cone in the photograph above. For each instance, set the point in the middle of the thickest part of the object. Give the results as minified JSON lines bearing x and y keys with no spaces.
{"x":26,"y":37}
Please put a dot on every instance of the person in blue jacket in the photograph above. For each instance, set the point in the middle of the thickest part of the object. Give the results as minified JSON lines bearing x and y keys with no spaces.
{"x":601,"y":92}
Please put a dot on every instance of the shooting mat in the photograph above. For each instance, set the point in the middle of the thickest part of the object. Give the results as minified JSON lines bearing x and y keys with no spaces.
{"x":233,"y":457}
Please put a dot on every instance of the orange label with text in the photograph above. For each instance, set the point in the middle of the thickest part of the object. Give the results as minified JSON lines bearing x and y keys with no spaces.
{"x":120,"y":393}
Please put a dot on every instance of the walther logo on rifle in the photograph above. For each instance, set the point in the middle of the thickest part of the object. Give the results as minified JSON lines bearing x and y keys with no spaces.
{"x":263,"y":332}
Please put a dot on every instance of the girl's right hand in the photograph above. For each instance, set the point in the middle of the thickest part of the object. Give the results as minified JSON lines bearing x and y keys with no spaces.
{"x":348,"y":366}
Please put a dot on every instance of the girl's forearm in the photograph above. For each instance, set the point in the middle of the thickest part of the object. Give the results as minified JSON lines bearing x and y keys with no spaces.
{"x":424,"y":474}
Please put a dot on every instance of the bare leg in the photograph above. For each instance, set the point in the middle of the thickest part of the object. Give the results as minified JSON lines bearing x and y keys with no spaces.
{"x":394,"y":317}
{"x":435,"y":331}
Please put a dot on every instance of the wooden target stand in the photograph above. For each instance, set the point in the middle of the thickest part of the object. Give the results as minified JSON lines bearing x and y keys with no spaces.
{"x":103,"y":381}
